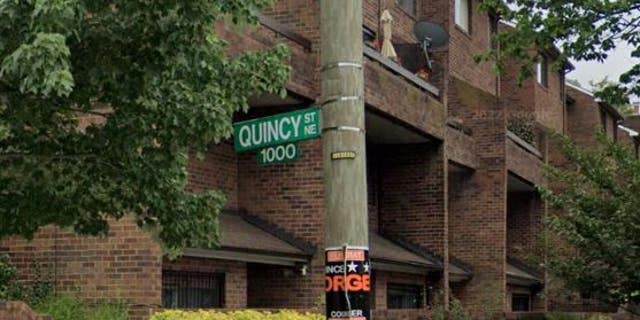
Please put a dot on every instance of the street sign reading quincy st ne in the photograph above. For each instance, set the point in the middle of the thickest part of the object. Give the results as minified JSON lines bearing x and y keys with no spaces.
{"x":277,"y":129}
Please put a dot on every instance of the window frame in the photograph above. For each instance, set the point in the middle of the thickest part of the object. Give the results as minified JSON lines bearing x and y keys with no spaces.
{"x":418,"y":290}
{"x":181,"y":282}
{"x":413,"y":11}
{"x":457,"y":8}
{"x":542,"y":72}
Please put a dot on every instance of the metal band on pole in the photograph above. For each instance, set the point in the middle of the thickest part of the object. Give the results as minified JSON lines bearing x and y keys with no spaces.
{"x":343,"y":128}
{"x":342,"y":65}
{"x":331,"y":99}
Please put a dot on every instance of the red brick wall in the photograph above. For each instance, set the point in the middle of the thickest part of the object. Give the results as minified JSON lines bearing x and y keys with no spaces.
{"x":531,"y":99}
{"x":290,"y":196}
{"x":549,"y":101}
{"x":523,"y":163}
{"x":279,"y":287}
{"x":396,"y":97}
{"x":235,"y":278}
{"x":373,"y":187}
{"x":584,"y":119}
{"x":300,"y":16}
{"x":412,"y":200}
{"x":463,"y":47}
{"x":477,"y":202}
{"x":218,"y":170}
{"x":524,"y":222}
{"x":403,"y":21}
{"x":126,"y":265}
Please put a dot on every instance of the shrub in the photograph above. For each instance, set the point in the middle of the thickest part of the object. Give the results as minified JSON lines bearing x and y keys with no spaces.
{"x":456,"y":312}
{"x":524,"y":128}
{"x":71,"y":307}
{"x":235,"y":315}
{"x":560,"y":316}
{"x":10,"y":289}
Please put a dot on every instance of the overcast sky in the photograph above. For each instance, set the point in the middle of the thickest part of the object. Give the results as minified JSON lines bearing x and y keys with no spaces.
{"x":618,"y":62}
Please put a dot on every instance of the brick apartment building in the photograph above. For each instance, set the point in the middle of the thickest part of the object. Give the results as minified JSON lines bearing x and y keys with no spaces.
{"x":451,"y":166}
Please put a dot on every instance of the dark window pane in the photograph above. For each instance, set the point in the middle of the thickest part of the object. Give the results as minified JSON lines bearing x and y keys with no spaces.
{"x":408,"y":6}
{"x":603,"y":119}
{"x":368,"y":37}
{"x":190,"y":290}
{"x":402,"y":296}
{"x":520,"y":302}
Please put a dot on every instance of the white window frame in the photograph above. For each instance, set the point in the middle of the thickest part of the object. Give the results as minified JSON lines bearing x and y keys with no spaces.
{"x":543,"y":72}
{"x":463,"y":14}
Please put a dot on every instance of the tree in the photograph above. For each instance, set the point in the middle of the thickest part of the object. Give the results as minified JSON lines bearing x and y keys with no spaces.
{"x":597,"y":249}
{"x":584,"y":30}
{"x":574,"y":82}
{"x":158,"y":86}
{"x":626,"y":109}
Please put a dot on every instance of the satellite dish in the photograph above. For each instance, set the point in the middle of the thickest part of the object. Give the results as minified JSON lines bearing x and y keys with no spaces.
{"x":430,"y":36}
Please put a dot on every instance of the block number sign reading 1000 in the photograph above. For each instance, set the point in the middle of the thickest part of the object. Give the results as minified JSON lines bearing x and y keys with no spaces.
{"x":279,"y":154}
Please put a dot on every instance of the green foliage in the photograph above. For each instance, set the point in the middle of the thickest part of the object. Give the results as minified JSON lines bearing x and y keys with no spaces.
{"x":235,"y":315}
{"x":155,"y":79}
{"x":599,"y":221}
{"x":584,"y":30}
{"x":41,"y":287}
{"x":71,"y":307}
{"x":560,"y":316}
{"x":456,"y":312}
{"x":626,"y":109}
{"x":11,"y":289}
{"x":523,"y":127}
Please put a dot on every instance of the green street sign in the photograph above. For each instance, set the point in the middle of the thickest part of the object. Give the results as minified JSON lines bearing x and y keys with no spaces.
{"x":283,"y":153}
{"x":279,"y":129}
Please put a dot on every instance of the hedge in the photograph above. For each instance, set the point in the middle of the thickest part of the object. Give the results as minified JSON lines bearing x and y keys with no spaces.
{"x":235,"y":315}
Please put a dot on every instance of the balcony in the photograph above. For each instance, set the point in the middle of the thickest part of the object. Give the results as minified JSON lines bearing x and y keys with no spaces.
{"x":401,"y":71}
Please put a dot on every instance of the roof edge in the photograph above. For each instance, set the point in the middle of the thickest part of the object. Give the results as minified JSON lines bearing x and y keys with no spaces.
{"x":275,"y":230}
{"x":525,"y":267}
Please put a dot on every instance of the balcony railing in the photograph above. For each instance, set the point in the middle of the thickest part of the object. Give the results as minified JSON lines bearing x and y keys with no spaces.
{"x":400,"y":70}
{"x":524,"y":145}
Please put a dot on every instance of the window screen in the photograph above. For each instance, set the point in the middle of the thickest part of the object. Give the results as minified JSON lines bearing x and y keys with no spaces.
{"x":190,"y":290}
{"x":520,"y":302}
{"x":403,"y":296}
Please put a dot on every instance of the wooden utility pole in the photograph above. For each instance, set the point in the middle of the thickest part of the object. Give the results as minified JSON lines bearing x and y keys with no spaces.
{"x":346,"y":225}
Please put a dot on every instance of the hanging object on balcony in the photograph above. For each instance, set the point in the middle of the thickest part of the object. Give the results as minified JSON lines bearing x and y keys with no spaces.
{"x":387,"y":47}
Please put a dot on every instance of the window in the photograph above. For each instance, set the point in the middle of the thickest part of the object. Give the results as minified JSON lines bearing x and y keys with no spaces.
{"x":493,"y":30}
{"x":520,"y":302}
{"x":408,"y":5}
{"x":603,"y":119}
{"x":543,"y":71}
{"x":191,"y":290}
{"x":403,"y":296}
{"x":369,"y":37}
{"x":463,"y":13}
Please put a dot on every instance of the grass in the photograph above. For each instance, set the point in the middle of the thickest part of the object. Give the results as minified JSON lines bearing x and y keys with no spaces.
{"x":70,"y":307}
